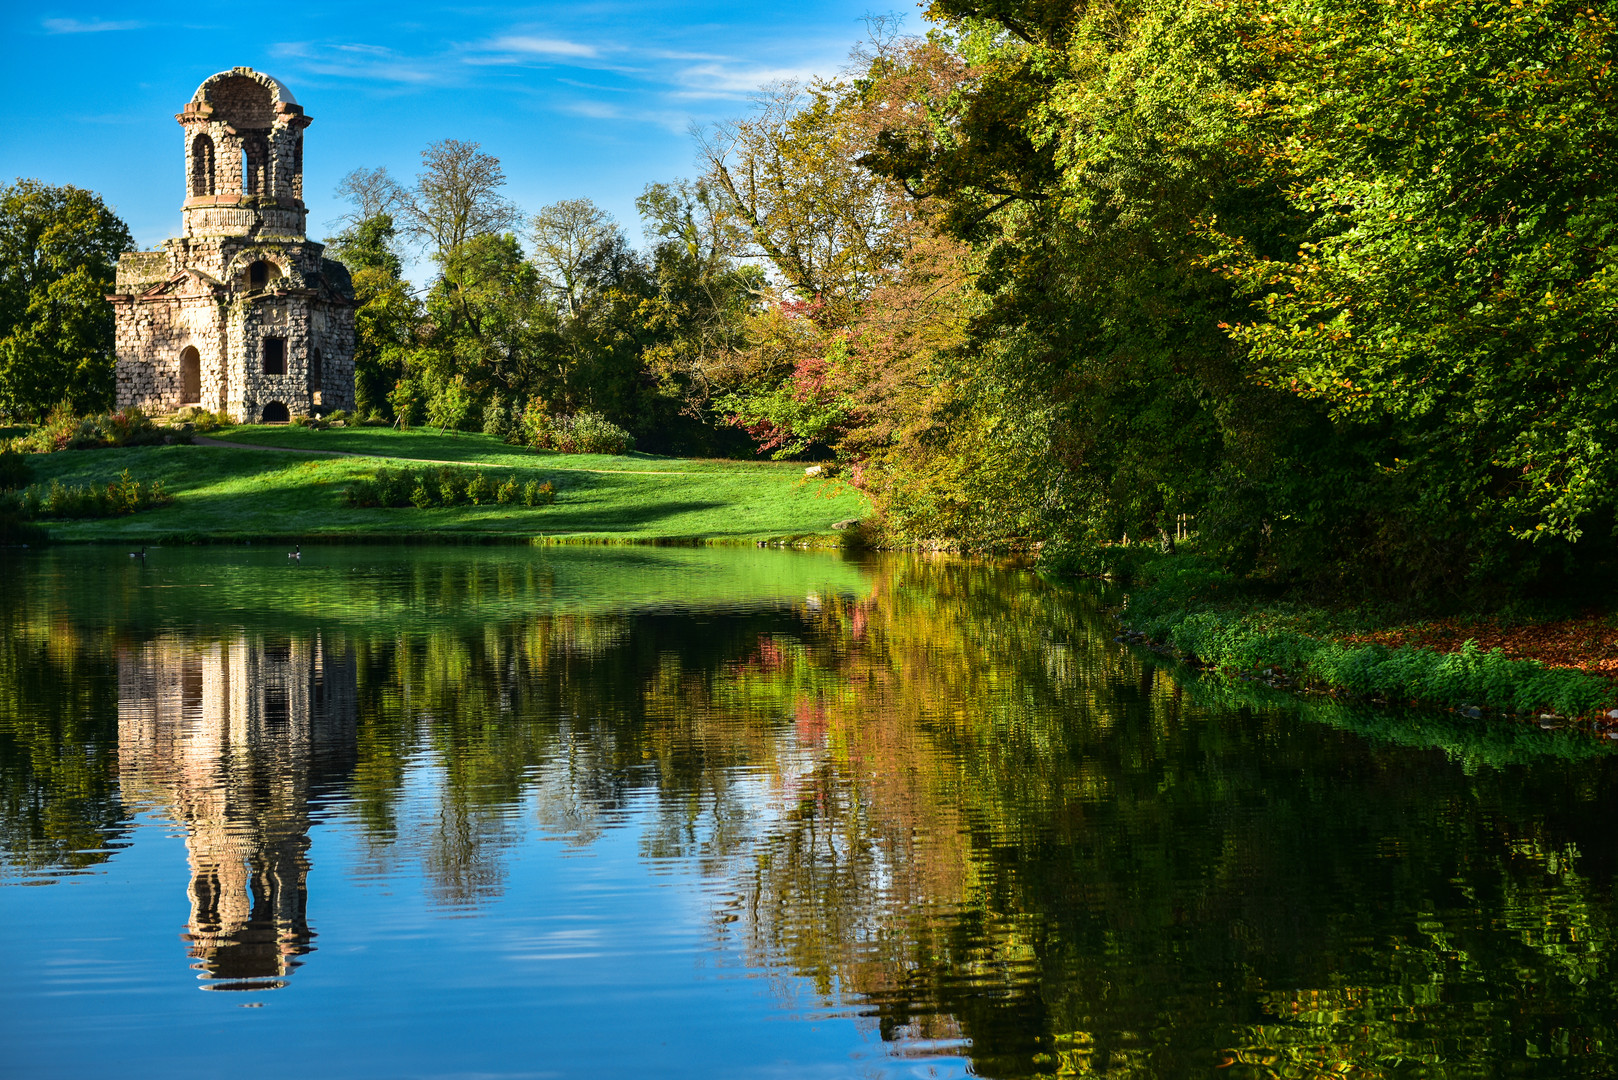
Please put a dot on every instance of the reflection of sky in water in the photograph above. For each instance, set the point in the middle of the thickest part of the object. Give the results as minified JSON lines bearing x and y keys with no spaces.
{"x":537,"y":931}
{"x":517,"y":813}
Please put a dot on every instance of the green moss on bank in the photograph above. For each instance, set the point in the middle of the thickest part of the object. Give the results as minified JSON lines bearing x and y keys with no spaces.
{"x":1211,"y":618}
{"x":226,"y":493}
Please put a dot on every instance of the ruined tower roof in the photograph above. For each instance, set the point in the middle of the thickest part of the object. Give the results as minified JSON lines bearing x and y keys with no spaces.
{"x":279,"y":92}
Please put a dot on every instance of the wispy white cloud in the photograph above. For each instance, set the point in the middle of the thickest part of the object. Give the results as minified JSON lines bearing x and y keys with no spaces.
{"x":372,"y":63}
{"x":667,"y":54}
{"x":721,"y":81}
{"x":92,"y":26}
{"x":597,"y":86}
{"x":674,"y":80}
{"x":541,"y":46}
{"x":595,"y":110}
{"x":676,"y":122}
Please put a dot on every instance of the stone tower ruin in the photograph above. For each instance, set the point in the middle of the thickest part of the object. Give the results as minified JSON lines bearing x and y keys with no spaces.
{"x":241,"y":314}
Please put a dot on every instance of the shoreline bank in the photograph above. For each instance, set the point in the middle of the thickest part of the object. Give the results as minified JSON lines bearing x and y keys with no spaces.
{"x":1188,"y":610}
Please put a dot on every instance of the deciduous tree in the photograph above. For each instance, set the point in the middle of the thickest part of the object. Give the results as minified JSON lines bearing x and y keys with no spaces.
{"x":59,"y":249}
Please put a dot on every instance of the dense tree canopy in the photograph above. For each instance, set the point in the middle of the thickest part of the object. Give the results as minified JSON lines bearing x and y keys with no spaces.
{"x":1334,"y":278}
{"x":59,"y":250}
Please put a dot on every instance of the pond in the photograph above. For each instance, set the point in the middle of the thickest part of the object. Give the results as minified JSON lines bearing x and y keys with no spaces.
{"x":518,"y":812}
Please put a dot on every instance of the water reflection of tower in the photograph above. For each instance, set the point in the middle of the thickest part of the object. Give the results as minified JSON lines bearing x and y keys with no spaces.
{"x":234,"y":738}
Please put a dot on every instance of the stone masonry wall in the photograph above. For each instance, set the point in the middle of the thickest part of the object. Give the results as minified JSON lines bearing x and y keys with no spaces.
{"x":151,"y":334}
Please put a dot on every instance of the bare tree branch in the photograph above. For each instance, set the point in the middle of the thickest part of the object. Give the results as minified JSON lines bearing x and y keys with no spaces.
{"x":456,"y":197}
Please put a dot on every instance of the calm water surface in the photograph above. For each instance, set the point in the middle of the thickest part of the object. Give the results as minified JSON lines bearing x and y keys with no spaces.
{"x":648,"y":812}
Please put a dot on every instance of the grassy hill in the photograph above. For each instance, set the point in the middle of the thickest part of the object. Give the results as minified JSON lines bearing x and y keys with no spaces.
{"x":290,"y":485}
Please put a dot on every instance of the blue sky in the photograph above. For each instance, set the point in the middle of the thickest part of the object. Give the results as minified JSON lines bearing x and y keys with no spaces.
{"x":587,"y":99}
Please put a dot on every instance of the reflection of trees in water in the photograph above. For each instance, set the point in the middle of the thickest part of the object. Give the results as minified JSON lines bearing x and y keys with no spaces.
{"x":59,"y":805}
{"x":955,"y":803}
{"x":232,"y":738}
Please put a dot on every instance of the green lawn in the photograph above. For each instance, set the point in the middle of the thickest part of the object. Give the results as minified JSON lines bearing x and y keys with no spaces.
{"x":224,"y":493}
{"x":437,"y":445}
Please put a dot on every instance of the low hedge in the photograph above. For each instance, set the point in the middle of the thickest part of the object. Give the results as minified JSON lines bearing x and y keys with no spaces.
{"x":447,"y":486}
{"x":125,"y":495}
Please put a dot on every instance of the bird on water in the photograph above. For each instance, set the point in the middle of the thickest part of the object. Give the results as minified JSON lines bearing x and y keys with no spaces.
{"x":141,"y":554}
{"x":296,"y":552}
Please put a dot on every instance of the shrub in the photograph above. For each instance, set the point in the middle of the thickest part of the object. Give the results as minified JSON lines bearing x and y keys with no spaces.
{"x":205,"y":421}
{"x":339,"y":416}
{"x":1241,"y":642}
{"x":501,"y":421}
{"x":64,"y":431}
{"x":362,"y":492}
{"x":480,"y":491}
{"x":14,"y":525}
{"x":129,"y":427}
{"x":453,"y":408}
{"x":583,"y":432}
{"x":56,"y":432}
{"x":125,"y":495}
{"x":590,"y":433}
{"x":535,"y":428}
{"x":452,"y":486}
{"x":15,"y":472}
{"x":407,"y":403}
{"x":446,"y":486}
{"x":195,"y":418}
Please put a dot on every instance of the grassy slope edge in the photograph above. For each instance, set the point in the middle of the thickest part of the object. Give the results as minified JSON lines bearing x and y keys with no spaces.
{"x":229,"y":493}
{"x":1210,"y":618}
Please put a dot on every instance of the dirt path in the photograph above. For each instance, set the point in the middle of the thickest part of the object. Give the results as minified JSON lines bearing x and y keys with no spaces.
{"x":203,"y":440}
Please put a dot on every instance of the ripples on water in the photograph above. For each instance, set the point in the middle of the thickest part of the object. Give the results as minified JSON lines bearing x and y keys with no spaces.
{"x":650,"y":812}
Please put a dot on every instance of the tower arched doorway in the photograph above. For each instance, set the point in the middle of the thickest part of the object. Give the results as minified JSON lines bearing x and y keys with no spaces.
{"x":190,"y":376}
{"x":276,"y":413}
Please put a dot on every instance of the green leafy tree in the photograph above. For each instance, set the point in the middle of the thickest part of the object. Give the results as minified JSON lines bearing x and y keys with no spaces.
{"x":388,"y":315}
{"x":59,"y":250}
{"x":491,"y":333}
{"x":1451,"y":301}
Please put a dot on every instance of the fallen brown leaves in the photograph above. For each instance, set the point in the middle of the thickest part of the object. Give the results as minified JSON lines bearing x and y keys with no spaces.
{"x":1588,"y":643}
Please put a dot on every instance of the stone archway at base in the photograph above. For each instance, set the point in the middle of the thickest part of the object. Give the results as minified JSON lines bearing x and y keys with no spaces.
{"x":276,"y":413}
{"x":190,"y":376}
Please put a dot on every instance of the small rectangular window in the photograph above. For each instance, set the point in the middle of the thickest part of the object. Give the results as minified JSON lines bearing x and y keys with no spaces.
{"x":275,"y":356}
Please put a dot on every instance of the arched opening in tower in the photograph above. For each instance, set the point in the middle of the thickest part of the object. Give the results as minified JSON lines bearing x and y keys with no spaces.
{"x":202,"y":166}
{"x":190,"y":376}
{"x":255,"y":165}
{"x":276,"y":413}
